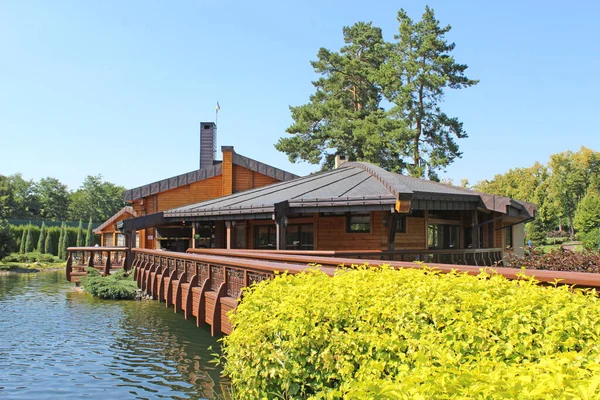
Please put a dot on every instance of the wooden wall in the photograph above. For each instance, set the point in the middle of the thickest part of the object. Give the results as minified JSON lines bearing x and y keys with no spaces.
{"x":234,"y":178}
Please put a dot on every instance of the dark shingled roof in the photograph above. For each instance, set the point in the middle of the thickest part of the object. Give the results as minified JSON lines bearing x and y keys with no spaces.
{"x":357,"y":186}
{"x":206,"y":173}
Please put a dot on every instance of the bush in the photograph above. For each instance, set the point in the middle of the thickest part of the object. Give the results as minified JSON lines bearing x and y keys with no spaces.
{"x":31,"y":257}
{"x":591,"y":239}
{"x":381,"y":333}
{"x":556,"y":260}
{"x":116,"y":286}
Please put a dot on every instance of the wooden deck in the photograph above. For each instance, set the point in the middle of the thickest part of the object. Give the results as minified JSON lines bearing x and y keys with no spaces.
{"x":207,"y":283}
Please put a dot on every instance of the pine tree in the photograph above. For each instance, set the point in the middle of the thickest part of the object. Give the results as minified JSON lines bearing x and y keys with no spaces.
{"x":48,"y":244}
{"x":23,"y":238}
{"x":29,"y":240}
{"x":80,"y":237}
{"x":88,"y":234}
{"x":42,"y":239}
{"x":61,"y":240}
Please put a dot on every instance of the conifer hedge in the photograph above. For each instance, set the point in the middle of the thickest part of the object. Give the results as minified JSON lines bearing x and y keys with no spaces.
{"x":414,"y":334}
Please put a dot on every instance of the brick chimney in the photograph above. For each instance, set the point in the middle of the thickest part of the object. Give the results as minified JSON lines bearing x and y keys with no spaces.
{"x":208,"y":143}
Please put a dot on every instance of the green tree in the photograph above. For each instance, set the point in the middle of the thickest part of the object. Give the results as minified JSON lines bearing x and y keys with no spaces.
{"x":23,"y":239}
{"x":42,"y":238}
{"x":96,"y":199}
{"x":6,"y":238}
{"x":7,"y":201}
{"x":80,"y":237}
{"x":65,"y":243}
{"x":29,"y":240}
{"x":345,"y":114}
{"x":61,"y":241}
{"x":420,"y":68}
{"x":89,"y":239}
{"x":567,"y":186}
{"x":25,"y":200}
{"x":587,"y":215}
{"x":53,"y":199}
{"x":48,"y":245}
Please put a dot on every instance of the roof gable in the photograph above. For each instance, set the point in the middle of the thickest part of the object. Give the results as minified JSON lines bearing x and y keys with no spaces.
{"x":206,"y":173}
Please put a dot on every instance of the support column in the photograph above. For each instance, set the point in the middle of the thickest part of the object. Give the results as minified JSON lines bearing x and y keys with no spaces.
{"x":281,"y":225}
{"x":281,"y":221}
{"x":391,"y":230}
{"x":474,"y":230}
{"x":193,"y":235}
{"x":228,"y":234}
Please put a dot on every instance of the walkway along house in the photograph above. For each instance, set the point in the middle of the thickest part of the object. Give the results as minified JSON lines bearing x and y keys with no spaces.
{"x":357,"y":206}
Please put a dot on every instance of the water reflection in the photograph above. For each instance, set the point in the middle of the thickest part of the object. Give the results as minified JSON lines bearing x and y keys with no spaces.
{"x":56,"y":343}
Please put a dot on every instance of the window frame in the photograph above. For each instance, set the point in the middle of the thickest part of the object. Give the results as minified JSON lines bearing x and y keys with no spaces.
{"x":349,"y":223}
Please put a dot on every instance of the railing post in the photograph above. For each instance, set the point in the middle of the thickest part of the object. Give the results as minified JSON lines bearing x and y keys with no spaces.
{"x":107,"y":264}
{"x":69,"y":267}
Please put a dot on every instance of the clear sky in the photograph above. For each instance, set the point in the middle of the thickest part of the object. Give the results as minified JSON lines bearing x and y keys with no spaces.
{"x":119,"y":87}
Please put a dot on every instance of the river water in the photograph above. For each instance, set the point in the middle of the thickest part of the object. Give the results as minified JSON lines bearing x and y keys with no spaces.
{"x":56,"y":343}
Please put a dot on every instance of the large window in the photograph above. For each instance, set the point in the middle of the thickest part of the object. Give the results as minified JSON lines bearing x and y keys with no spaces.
{"x":359,"y":223}
{"x":443,"y":236}
{"x":509,"y":237}
{"x":299,"y":237}
{"x":265,"y":237}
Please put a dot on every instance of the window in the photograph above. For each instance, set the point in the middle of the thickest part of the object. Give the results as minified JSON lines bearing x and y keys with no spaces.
{"x":120,"y":239}
{"x":400,"y":224}
{"x":265,"y":237}
{"x":509,"y":237}
{"x":299,"y":237}
{"x":442,"y":236}
{"x":359,"y":223}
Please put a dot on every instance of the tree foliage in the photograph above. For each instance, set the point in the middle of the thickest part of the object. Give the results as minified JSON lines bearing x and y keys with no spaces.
{"x":346,"y":114}
{"x":6,"y":238}
{"x":42,"y":239}
{"x":557,"y":188}
{"x":53,"y":199}
{"x":96,"y":199}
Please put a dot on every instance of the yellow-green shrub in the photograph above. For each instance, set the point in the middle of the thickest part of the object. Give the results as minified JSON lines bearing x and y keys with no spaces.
{"x":384,"y":333}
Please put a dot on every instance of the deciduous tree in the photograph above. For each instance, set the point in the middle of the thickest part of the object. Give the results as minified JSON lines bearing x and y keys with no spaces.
{"x":96,"y":199}
{"x":53,"y":198}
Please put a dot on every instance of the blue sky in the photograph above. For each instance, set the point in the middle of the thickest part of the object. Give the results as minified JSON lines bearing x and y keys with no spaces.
{"x":119,"y":88}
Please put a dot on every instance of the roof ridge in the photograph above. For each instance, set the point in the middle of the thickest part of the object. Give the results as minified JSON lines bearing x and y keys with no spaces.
{"x":398,"y":189}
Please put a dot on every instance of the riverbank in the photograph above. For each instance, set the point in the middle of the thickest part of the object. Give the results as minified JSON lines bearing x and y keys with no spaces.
{"x":27,"y":268}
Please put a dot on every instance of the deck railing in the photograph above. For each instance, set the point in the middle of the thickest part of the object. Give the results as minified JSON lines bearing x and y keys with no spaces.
{"x":103,"y":259}
{"x":477,"y":257}
{"x":207,"y":283}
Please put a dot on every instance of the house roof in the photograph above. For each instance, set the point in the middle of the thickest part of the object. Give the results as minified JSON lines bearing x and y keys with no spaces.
{"x":355,"y":186}
{"x":125,"y":210}
{"x":206,"y":173}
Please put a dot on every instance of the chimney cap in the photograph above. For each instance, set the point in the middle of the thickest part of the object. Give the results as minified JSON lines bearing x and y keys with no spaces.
{"x":340,"y":159}
{"x":226,"y":148}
